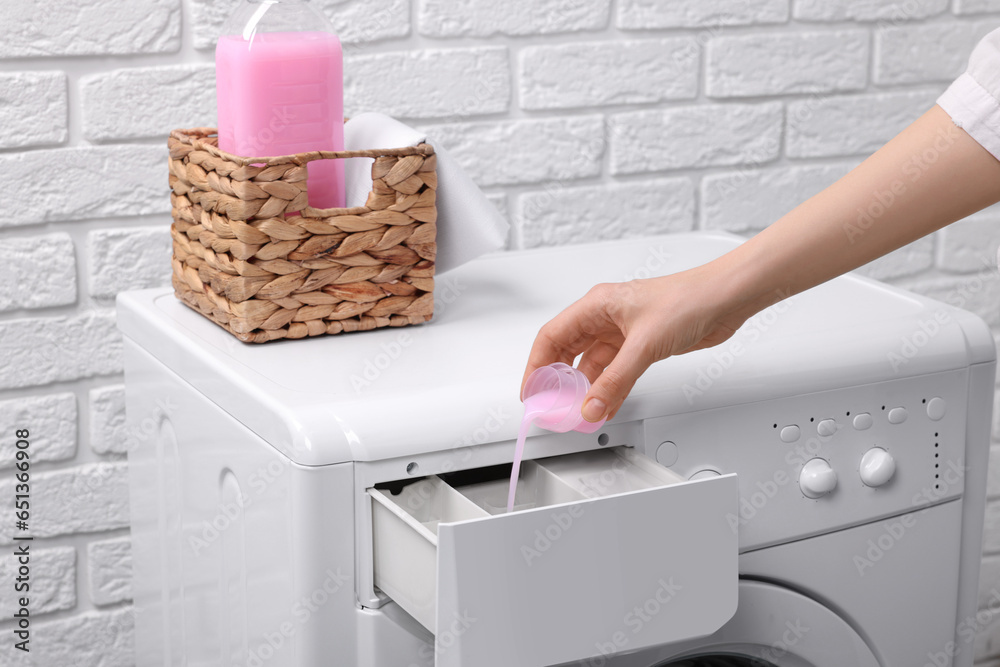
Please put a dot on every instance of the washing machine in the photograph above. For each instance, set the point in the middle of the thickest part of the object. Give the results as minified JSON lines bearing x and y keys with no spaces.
{"x":808,"y":494}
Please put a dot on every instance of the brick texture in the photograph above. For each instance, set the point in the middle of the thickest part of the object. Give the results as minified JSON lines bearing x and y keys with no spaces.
{"x":851,"y":124}
{"x":484,"y":18}
{"x":110,"y":565}
{"x":89,"y":27}
{"x":752,"y":199}
{"x":923,"y":53}
{"x":356,"y":22}
{"x":34,"y":109}
{"x":51,"y":422}
{"x":648,"y":14}
{"x":589,"y":74}
{"x":52,"y":581}
{"x":37,"y":272}
{"x":122,"y":259}
{"x":978,"y":292}
{"x":694,"y":137}
{"x":886,"y":13}
{"x":560,"y":216}
{"x":38,"y":351}
{"x":147,"y":101}
{"x":452,"y":83}
{"x":87,"y":499}
{"x":777,"y":64}
{"x":82,"y":183}
{"x":92,"y":639}
{"x":976,"y":6}
{"x":108,"y":432}
{"x":551,"y":149}
{"x":971,"y":244}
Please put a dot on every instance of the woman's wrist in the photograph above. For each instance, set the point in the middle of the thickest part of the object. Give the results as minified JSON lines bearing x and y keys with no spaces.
{"x":739,"y":284}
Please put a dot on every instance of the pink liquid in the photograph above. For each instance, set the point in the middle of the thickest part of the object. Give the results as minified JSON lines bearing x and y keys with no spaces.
{"x":283,"y":93}
{"x":534,"y":406}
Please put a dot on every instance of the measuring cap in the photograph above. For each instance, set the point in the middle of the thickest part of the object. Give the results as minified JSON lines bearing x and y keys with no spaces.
{"x":555,"y":394}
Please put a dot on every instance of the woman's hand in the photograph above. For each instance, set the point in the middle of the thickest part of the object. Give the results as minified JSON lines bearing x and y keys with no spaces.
{"x":622,"y":328}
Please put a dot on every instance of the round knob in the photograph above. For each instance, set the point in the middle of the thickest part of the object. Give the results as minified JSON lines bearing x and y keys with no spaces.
{"x":817,"y":478}
{"x":704,"y":474}
{"x":877,"y":467}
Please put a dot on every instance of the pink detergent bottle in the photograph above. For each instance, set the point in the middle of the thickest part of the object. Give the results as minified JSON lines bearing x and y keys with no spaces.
{"x":280,"y":87}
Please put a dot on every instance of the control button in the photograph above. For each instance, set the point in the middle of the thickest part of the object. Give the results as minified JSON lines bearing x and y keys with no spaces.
{"x":877,"y":467}
{"x":935,"y":408}
{"x":666,"y":454}
{"x":790,"y":433}
{"x":862,"y":421}
{"x":704,"y":474}
{"x":897,"y":415}
{"x":817,"y":478}
{"x":827,"y":427}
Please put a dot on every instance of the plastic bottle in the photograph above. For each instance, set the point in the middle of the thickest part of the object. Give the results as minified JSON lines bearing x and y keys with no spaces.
{"x":280,"y":87}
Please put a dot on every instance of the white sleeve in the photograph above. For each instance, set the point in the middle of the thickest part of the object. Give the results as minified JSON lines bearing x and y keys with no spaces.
{"x":973,"y":99}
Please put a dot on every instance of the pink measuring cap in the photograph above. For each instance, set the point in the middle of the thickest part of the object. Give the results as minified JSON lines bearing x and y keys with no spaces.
{"x":555,"y":394}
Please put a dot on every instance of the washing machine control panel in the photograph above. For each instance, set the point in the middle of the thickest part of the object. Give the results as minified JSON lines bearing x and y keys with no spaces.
{"x":825,"y":461}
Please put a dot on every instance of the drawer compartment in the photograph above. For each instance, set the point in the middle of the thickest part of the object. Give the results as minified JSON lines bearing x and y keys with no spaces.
{"x":604,"y":548}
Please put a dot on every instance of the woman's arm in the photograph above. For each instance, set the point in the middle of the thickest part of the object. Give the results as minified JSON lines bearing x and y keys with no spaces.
{"x":930,"y":175}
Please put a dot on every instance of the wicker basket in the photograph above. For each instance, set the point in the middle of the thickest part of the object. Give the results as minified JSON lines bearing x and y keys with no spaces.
{"x":241,"y":262}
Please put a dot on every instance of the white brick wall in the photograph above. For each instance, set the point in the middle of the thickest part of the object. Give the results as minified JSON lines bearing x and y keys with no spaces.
{"x":584,"y":120}
{"x":54,"y":420}
{"x":33,"y":109}
{"x":782,"y":63}
{"x":589,"y":73}
{"x":89,"y":27}
{"x":408,"y":84}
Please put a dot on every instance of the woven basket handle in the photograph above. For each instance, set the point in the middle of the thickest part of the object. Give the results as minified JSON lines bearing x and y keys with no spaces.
{"x":204,"y":138}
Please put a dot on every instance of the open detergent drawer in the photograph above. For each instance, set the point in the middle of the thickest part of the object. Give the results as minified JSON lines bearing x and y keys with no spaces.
{"x":606,"y":551}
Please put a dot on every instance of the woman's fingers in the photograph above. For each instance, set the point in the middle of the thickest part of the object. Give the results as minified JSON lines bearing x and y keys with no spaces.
{"x":597,"y":357}
{"x":612,"y":386}
{"x":568,"y":334}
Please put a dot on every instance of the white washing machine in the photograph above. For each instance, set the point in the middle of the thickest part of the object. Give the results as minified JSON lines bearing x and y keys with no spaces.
{"x":808,"y":494}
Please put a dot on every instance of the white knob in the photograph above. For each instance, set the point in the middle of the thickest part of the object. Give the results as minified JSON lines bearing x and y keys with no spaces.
{"x":704,"y":474}
{"x":817,"y":478}
{"x":877,"y":467}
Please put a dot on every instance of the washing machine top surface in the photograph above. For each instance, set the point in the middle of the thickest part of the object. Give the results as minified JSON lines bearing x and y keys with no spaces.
{"x":402,"y":391}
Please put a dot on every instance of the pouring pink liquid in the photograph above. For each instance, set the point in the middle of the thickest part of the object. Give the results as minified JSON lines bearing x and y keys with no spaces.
{"x":281,"y":93}
{"x":553,"y":398}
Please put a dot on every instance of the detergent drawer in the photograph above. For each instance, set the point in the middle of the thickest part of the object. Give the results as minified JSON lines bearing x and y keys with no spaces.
{"x":606,"y":551}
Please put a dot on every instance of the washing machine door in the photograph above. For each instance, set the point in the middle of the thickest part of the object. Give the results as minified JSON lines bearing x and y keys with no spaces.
{"x":772,"y":627}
